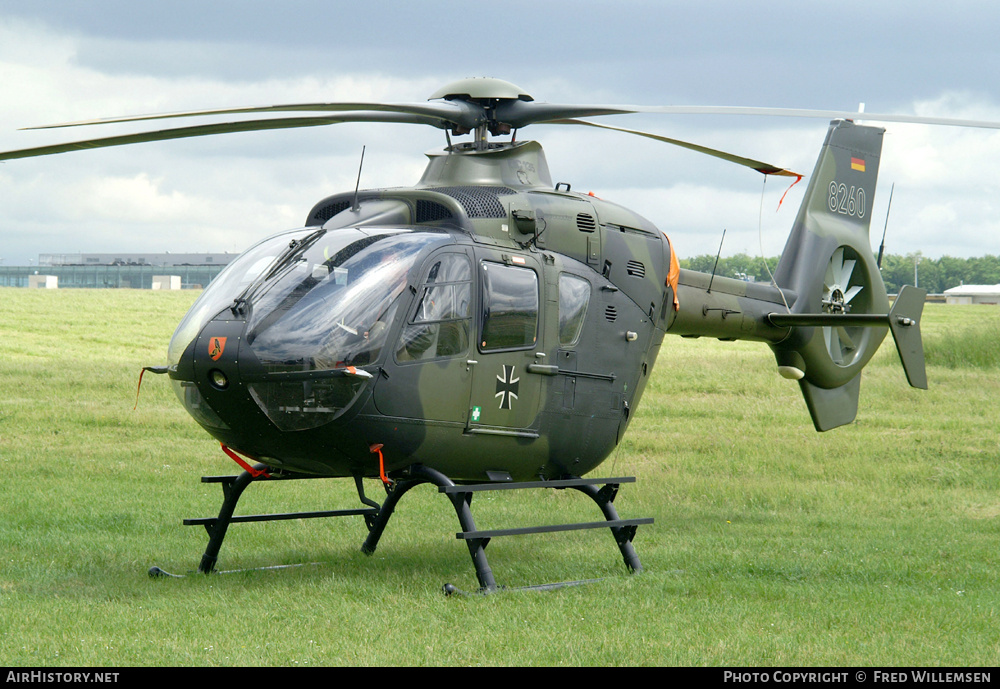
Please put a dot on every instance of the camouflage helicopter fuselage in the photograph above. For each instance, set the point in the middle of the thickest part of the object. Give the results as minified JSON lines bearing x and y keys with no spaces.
{"x":492,"y":326}
{"x":557,"y":303}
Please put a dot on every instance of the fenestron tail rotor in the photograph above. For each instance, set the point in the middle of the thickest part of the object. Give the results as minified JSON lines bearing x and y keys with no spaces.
{"x":838,"y":292}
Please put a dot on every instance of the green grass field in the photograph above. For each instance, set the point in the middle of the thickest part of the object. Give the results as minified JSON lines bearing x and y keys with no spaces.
{"x":874,"y":544}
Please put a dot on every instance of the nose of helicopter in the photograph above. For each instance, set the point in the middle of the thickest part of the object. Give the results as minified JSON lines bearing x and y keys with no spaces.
{"x":281,"y":351}
{"x":208,"y":380}
{"x":215,"y":370}
{"x":282,"y":419}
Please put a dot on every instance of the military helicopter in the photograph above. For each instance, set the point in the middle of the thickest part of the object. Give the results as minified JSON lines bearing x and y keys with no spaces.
{"x":486,"y":329}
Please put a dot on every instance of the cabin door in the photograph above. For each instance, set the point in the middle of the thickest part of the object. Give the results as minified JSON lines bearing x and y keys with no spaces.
{"x":505,"y":394}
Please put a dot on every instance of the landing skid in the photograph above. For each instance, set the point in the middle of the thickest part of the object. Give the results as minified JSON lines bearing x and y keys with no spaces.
{"x":155,"y":571}
{"x":452,"y":590}
{"x":377,"y":517}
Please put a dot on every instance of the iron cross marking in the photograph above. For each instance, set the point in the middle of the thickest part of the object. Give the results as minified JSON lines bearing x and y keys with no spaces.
{"x":507,"y":387}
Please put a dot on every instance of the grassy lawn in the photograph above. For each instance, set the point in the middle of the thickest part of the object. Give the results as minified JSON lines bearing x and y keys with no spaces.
{"x":874,"y":544}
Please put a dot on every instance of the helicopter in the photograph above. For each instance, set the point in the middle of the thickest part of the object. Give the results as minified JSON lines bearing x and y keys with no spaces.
{"x":486,"y":329}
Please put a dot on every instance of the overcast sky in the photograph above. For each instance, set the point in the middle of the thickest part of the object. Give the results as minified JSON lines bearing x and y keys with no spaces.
{"x":65,"y":61}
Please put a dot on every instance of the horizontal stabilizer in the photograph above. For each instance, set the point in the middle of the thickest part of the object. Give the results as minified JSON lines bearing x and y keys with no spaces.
{"x":903,"y":320}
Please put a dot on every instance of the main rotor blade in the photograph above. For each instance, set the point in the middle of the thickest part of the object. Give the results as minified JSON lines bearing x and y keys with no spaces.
{"x":761,"y":167}
{"x":794,"y":112}
{"x":522,"y":113}
{"x":220,"y":128}
{"x":519,"y":113}
{"x":456,"y":112}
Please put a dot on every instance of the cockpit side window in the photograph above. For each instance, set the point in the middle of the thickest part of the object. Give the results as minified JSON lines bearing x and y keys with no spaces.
{"x":439,"y":326}
{"x":510,"y":307}
{"x":574,"y":297}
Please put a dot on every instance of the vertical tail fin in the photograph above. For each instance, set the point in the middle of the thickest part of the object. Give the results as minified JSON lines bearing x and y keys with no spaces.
{"x":829,"y":265}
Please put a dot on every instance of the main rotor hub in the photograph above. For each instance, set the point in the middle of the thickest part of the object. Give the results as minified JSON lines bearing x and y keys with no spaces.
{"x":480,"y":89}
{"x":486,"y":93}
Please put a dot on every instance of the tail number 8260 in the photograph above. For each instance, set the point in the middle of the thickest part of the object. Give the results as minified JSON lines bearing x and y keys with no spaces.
{"x":847,"y":200}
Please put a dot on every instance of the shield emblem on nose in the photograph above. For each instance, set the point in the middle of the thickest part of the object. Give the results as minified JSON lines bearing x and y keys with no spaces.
{"x":216,"y":346}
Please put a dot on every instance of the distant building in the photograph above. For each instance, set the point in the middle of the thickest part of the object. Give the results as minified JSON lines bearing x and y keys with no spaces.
{"x":119,"y":270}
{"x":43,"y":282}
{"x":973,"y":294}
{"x":121,"y":259}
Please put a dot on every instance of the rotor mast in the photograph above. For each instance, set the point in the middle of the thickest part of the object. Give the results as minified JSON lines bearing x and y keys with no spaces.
{"x":489,"y":95}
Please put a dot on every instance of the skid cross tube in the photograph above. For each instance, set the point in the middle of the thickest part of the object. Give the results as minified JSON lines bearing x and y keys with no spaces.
{"x":232,"y":489}
{"x":418,"y":475}
{"x":623,"y":530}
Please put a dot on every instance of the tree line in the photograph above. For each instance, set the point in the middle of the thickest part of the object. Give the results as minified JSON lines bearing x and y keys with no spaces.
{"x":932,"y":274}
